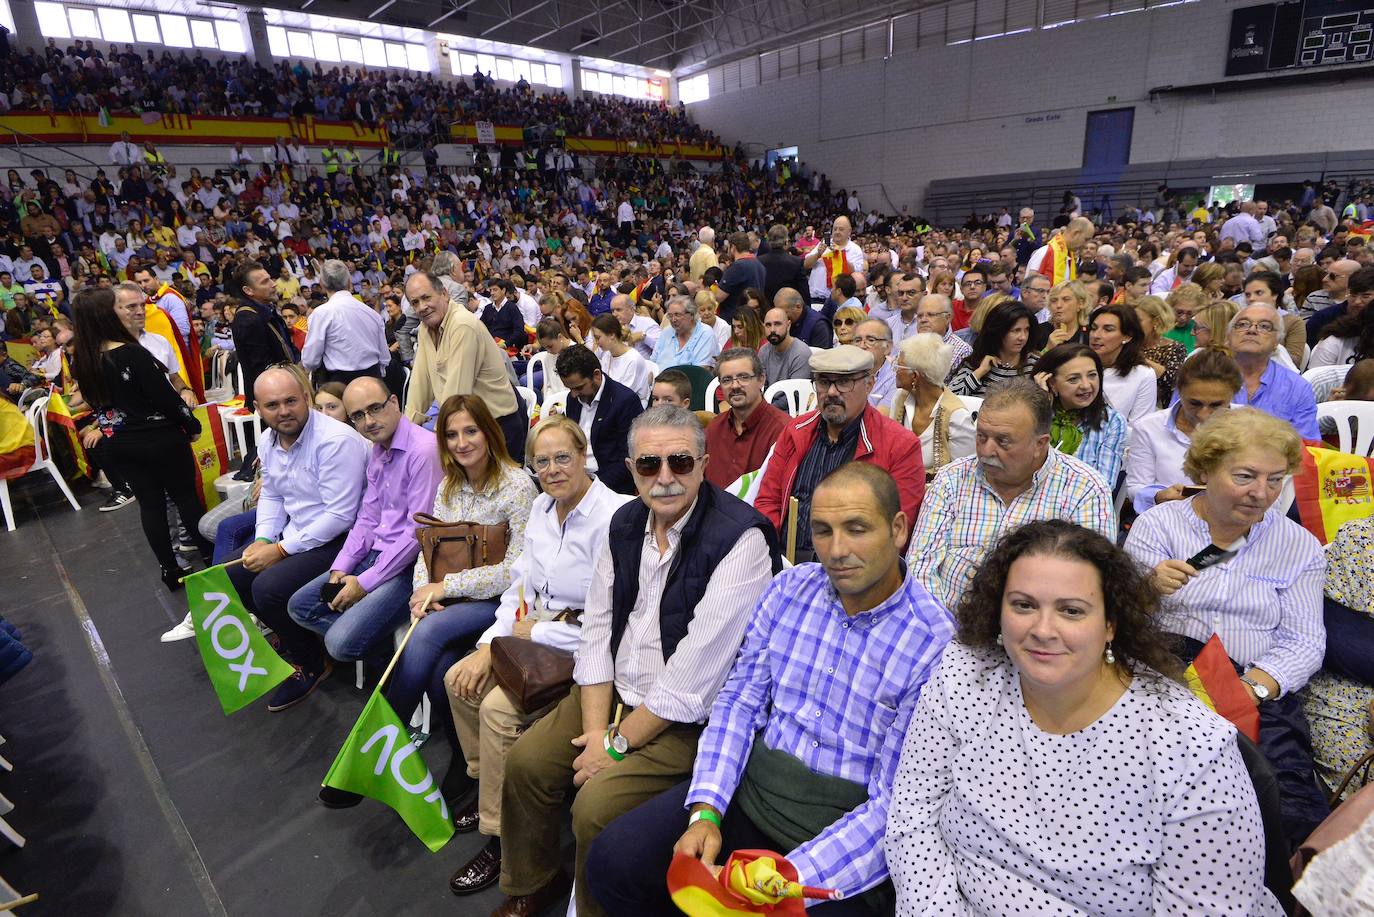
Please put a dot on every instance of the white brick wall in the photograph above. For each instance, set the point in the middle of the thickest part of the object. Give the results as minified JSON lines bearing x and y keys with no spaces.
{"x":950,"y":111}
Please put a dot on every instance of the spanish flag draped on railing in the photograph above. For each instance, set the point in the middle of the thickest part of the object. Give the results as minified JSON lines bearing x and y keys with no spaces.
{"x":1333,"y":488}
{"x":1213,"y":679}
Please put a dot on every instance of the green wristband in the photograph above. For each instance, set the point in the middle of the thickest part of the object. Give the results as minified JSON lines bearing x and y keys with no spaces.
{"x":704,"y":815}
{"x":263,"y":540}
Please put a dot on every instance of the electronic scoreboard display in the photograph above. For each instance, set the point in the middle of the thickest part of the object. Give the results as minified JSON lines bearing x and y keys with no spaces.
{"x":1300,"y":33}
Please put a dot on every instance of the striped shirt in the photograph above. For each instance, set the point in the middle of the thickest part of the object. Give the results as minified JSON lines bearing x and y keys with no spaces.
{"x":1265,"y":603}
{"x":963,"y":517}
{"x":683,"y":688}
{"x":834,"y":691}
{"x":1103,"y":449}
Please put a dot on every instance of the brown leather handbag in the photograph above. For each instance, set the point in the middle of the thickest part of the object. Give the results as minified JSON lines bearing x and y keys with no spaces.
{"x":452,"y":547}
{"x":534,"y":675}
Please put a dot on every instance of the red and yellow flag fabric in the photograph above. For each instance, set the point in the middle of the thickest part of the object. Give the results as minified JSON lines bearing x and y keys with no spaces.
{"x":211,"y":452}
{"x":1057,"y":263}
{"x":16,"y":441}
{"x":189,"y":366}
{"x":1213,"y":679}
{"x":22,"y":352}
{"x":836,"y":263}
{"x":1333,"y":488}
{"x":750,"y":882}
{"x":60,"y":415}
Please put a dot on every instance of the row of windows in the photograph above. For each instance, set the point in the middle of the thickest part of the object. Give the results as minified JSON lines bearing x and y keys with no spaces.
{"x":332,"y":48}
{"x":507,"y":69}
{"x":116,"y":25}
{"x":633,"y":87}
{"x":694,"y":89}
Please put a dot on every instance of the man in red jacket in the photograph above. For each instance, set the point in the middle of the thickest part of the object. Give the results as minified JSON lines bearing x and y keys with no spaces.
{"x":845,"y":428}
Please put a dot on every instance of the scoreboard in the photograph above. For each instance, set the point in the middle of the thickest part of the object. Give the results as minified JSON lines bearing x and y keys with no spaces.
{"x":1300,"y":33}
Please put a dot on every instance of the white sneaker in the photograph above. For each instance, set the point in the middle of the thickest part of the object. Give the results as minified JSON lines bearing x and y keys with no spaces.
{"x":101,"y":482}
{"x":183,"y":631}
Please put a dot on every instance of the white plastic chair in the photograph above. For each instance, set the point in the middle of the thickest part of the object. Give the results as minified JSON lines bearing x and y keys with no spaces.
{"x":799,"y":394}
{"x":42,"y":451}
{"x":557,"y":403}
{"x":1354,"y":424}
{"x":531,"y":405}
{"x":1325,"y":378}
{"x":544,"y":360}
{"x":973,"y":403}
{"x":236,"y":425}
{"x":711,"y":404}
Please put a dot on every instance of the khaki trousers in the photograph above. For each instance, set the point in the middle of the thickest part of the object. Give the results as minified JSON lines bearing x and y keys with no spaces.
{"x":487,"y":727}
{"x":539,"y":772}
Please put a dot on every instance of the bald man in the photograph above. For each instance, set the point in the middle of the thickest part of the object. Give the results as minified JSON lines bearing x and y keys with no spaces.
{"x":826,"y":262}
{"x":1329,"y":303}
{"x":1057,"y":259}
{"x":364,"y":595}
{"x":312,"y":483}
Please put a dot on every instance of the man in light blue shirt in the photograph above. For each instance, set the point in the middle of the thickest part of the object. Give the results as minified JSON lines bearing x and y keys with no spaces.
{"x":313,"y":472}
{"x":346,"y":337}
{"x":691,"y":341}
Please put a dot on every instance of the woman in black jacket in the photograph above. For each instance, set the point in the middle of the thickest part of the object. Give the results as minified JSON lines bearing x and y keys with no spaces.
{"x":148,"y":428}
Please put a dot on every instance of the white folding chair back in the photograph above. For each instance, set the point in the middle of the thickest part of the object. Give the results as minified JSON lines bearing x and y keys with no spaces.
{"x":37,"y":414}
{"x":1354,"y":424}
{"x":799,"y":394}
{"x":544,"y":360}
{"x":557,"y":403}
{"x":531,"y":405}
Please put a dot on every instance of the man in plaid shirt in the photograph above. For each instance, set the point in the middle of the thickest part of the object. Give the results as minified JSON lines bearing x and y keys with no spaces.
{"x":799,"y":753}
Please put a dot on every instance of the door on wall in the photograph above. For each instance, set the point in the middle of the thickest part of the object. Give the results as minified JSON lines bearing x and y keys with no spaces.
{"x":1107,"y":141}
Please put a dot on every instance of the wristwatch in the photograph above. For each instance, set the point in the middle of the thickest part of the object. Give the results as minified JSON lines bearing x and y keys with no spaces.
{"x":1261,"y":692}
{"x":617,"y":746}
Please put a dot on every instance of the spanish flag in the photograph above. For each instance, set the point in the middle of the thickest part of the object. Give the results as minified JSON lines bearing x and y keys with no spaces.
{"x":16,"y":441}
{"x":836,"y":263}
{"x":1213,"y":679}
{"x":211,"y":452}
{"x":750,"y":882}
{"x":1333,"y":488}
{"x":188,"y":368}
{"x":61,"y":415}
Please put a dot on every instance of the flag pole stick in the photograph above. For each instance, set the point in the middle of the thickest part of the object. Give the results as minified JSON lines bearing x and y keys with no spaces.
{"x":792,"y":512}
{"x":224,"y":566}
{"x":399,"y":649}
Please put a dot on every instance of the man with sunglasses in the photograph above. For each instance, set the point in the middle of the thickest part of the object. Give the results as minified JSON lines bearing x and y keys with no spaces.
{"x":365,"y":594}
{"x":683,"y":567}
{"x":845,"y":428}
{"x":1332,"y":301}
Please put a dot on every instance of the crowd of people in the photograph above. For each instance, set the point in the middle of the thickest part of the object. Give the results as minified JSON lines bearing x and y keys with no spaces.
{"x":823,"y":508}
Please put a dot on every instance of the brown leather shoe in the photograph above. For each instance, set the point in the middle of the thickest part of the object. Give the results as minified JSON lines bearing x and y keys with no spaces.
{"x":481,"y":872}
{"x":466,"y":818}
{"x":535,"y":904}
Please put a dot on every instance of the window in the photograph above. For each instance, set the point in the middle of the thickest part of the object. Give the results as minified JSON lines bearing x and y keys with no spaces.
{"x":52,"y":20}
{"x":504,"y":71}
{"x":230,"y":35}
{"x":395,"y":55}
{"x":466,"y":63}
{"x":694,"y":89}
{"x":83,"y":23}
{"x":175,"y":32}
{"x":537,"y":74}
{"x":114,"y":25}
{"x":276,"y":41}
{"x":145,"y":29}
{"x":300,"y":45}
{"x":350,"y":50}
{"x":553,"y":75}
{"x":203,"y":33}
{"x":374,"y":53}
{"x":326,"y":46}
{"x":417,"y":58}
{"x":522,"y":69}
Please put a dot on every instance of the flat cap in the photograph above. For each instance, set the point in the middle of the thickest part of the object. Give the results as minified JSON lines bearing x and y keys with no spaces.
{"x":845,"y":358}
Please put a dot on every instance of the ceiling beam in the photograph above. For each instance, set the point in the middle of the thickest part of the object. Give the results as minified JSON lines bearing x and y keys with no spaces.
{"x":513,"y":17}
{"x":625,"y":28}
{"x":457,"y":8}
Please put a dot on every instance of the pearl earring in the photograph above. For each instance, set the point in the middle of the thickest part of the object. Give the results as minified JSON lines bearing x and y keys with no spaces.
{"x":999,"y":639}
{"x":1111,"y":657}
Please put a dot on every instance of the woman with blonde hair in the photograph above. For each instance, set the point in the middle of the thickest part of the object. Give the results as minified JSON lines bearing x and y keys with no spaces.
{"x":1162,"y":354}
{"x":1210,"y":324}
{"x":567,"y":528}
{"x":1232,"y":564}
{"x":925,"y":404}
{"x":1209,"y":276}
{"x":846,"y":321}
{"x":1068,"y":303}
{"x":1186,"y":301}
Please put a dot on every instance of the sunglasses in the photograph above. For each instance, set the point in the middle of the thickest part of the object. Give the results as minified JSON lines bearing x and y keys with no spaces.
{"x":678,"y":463}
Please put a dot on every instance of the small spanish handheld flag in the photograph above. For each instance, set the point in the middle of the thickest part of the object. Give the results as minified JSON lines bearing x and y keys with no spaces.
{"x":751,"y":882}
{"x":1213,"y":679}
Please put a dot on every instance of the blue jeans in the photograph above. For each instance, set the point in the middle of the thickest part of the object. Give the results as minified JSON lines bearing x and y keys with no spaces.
{"x":350,"y":634}
{"x":436,"y":644}
{"x":233,"y":535}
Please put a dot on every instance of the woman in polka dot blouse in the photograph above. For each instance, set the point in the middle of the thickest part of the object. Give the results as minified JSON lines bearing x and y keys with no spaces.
{"x":1055,"y":766}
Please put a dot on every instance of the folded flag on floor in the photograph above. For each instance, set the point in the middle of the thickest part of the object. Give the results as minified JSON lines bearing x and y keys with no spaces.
{"x":1213,"y":679}
{"x":241,"y":664}
{"x":378,"y":760}
{"x":750,"y":882}
{"x":1332,"y":488}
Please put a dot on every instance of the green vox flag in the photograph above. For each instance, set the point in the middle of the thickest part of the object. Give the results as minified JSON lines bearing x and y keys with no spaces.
{"x":379,"y":760}
{"x":241,"y":664}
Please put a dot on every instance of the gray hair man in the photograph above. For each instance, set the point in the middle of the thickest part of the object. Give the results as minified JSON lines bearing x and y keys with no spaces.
{"x":347,"y":337}
{"x":1253,"y":336}
{"x":691,"y":342}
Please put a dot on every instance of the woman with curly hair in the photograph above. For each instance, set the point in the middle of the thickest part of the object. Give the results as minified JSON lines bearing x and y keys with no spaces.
{"x":1054,"y":765}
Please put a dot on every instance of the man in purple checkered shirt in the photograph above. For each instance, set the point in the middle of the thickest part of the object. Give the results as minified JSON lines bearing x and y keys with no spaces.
{"x":804,"y":738}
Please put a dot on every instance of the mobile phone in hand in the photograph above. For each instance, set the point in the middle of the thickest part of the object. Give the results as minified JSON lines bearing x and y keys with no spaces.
{"x":330,"y":591}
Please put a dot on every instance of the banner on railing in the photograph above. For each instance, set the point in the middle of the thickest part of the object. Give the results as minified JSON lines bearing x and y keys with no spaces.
{"x":186,"y":129}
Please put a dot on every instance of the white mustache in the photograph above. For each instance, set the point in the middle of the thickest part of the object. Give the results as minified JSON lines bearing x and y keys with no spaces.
{"x":992,"y":463}
{"x":667,"y":490}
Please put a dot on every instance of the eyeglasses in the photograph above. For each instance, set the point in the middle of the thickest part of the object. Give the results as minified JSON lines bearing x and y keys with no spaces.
{"x":372,"y":410}
{"x":678,"y":463}
{"x":870,"y":339}
{"x":906,"y":292}
{"x":562,"y":460}
{"x":1245,"y":325}
{"x":726,"y":381}
{"x":844,"y":386}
